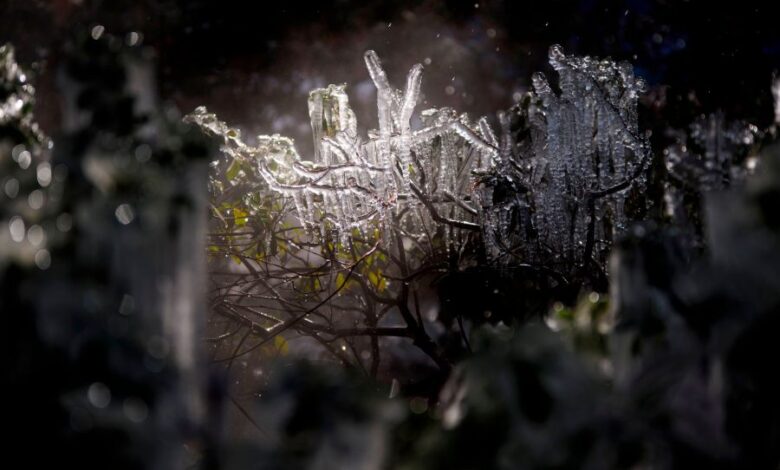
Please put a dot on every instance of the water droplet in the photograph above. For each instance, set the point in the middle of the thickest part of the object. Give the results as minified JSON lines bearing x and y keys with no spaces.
{"x":124,"y":214}
{"x":97,"y":32}
{"x":43,"y":173}
{"x":35,"y":199}
{"x":99,"y":395}
{"x":11,"y":188}
{"x":16,"y":227}
{"x":35,"y":235}
{"x":133,"y":39}
{"x":24,"y":159}
{"x":43,"y":259}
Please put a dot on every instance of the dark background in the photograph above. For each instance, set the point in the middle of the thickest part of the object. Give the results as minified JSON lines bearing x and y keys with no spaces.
{"x":253,"y":62}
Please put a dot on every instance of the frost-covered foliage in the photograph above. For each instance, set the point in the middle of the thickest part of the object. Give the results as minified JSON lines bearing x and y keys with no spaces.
{"x":28,"y":182}
{"x":552,"y":190}
{"x":17,"y":96}
{"x":712,"y":155}
{"x":568,"y":164}
{"x":360,"y":183}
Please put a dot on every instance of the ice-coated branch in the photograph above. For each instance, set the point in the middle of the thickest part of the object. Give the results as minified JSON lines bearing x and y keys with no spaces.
{"x":354,"y":183}
{"x":549,"y":189}
{"x":566,"y":163}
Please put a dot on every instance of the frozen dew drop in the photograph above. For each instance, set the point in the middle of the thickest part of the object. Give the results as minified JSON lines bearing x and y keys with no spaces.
{"x":35,"y":200}
{"x":24,"y":159}
{"x":43,"y":174}
{"x":124,"y":214}
{"x":11,"y":187}
{"x":16,"y":151}
{"x":552,"y":323}
{"x":97,"y":32}
{"x":99,"y":395}
{"x":43,"y":259}
{"x":35,"y":235}
{"x":133,"y":39}
{"x":16,"y":227}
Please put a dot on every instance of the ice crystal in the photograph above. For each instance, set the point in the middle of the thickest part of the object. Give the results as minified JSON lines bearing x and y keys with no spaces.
{"x":566,"y":164}
{"x":353,"y":182}
{"x":552,"y":188}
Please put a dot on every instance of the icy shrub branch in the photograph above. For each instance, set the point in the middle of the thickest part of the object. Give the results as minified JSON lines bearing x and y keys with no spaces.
{"x":552,"y":188}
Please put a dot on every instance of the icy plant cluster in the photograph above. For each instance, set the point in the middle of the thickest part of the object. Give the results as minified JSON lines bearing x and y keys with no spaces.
{"x":361,"y":183}
{"x":567,"y":162}
{"x":16,"y":95}
{"x":711,"y":155}
{"x":552,"y":186}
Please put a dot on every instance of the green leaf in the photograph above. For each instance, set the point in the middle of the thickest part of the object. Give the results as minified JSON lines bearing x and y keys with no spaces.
{"x":240,"y":217}
{"x":233,"y":170}
{"x":281,"y":345}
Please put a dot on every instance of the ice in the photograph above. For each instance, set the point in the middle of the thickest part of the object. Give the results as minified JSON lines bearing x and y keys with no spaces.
{"x":559,"y":190}
{"x":354,"y":182}
{"x":549,"y":188}
{"x":711,"y":155}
